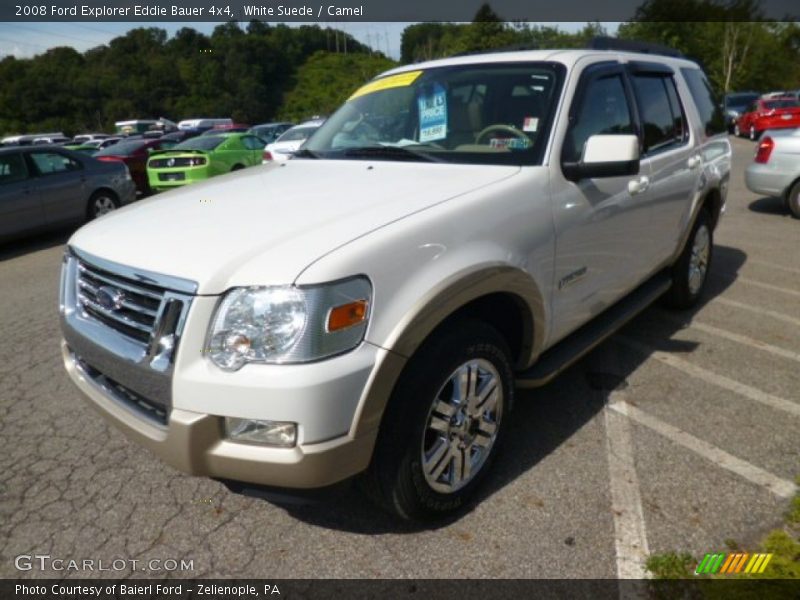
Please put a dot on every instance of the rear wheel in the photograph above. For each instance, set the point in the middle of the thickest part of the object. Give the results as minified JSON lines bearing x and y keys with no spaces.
{"x":444,"y":422}
{"x":102,"y":202}
{"x":793,"y":200}
{"x":690,"y":272}
{"x":736,"y":131}
{"x":754,"y":135}
{"x":237,"y":168}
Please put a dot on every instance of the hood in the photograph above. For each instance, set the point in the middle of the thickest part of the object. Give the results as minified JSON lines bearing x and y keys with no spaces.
{"x":264,"y":225}
{"x":284,"y":147}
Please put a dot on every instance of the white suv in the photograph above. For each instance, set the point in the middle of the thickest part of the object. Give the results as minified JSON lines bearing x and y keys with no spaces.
{"x":456,"y":229}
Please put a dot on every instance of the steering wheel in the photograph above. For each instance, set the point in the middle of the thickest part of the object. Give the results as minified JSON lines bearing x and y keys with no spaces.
{"x":501,"y":128}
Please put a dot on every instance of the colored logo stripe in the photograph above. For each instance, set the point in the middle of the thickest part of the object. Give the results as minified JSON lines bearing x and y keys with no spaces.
{"x":733,"y":562}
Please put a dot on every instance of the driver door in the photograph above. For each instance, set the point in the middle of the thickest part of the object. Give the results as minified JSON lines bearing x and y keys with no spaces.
{"x":602,"y":223}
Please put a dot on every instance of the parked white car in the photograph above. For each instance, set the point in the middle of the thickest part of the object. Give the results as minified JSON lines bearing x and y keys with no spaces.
{"x":775,"y":170}
{"x":289,"y":142}
{"x":456,"y":229}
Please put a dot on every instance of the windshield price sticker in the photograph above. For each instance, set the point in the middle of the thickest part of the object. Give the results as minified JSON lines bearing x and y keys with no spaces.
{"x":433,"y":114}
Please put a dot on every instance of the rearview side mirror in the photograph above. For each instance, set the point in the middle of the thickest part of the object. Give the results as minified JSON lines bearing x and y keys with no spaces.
{"x":605,"y":156}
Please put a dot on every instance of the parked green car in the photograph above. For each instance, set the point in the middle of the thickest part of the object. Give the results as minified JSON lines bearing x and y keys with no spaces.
{"x":199,"y":158}
{"x":81,"y":148}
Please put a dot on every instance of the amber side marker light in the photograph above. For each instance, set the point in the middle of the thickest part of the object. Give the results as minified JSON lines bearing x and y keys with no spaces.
{"x":347,"y":315}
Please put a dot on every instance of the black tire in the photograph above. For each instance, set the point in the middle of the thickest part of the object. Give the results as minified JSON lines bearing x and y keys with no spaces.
{"x":237,"y":168}
{"x":754,"y":135}
{"x":100,"y":203}
{"x":736,"y":131}
{"x":690,"y":271}
{"x":793,"y":200}
{"x":396,"y":479}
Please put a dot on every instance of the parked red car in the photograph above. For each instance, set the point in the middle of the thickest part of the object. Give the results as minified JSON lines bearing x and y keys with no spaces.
{"x":782,"y":112}
{"x":134,"y":153}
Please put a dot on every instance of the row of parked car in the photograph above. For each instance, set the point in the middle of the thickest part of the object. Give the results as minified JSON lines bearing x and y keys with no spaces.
{"x":749,"y":114}
{"x":47,"y":185}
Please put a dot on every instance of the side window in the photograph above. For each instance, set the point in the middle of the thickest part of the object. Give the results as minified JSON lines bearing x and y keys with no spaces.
{"x":251,"y":143}
{"x":662,"y":118}
{"x":707,"y":104}
{"x":603,"y":110}
{"x":12,"y":168}
{"x":53,"y":162}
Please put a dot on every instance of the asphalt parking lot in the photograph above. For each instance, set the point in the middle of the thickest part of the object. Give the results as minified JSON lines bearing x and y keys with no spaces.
{"x":680,"y":433}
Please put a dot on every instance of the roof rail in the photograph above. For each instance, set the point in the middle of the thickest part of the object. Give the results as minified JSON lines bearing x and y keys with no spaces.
{"x":512,"y":48}
{"x":610,"y":43}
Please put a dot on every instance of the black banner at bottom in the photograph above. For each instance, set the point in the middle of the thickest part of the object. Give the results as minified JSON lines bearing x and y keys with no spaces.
{"x":401,"y":589}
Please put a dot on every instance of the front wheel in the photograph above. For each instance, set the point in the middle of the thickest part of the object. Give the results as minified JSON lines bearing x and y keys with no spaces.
{"x":754,"y":135}
{"x":690,"y":272}
{"x":736,"y":131}
{"x":442,"y":428}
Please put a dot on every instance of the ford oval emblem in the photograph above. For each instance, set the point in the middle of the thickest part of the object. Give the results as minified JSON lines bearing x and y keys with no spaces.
{"x":110,"y":298}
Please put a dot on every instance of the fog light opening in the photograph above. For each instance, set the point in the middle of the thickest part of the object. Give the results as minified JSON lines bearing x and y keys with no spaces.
{"x":267,"y":433}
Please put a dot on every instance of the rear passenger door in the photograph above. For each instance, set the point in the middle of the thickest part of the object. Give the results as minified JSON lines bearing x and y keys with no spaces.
{"x":20,"y":205}
{"x":668,"y":154}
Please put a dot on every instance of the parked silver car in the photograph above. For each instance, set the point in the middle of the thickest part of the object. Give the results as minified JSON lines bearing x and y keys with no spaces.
{"x":51,"y":187}
{"x":775,"y":170}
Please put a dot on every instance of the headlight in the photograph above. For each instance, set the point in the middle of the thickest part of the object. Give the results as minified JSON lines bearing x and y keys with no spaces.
{"x":287,"y":324}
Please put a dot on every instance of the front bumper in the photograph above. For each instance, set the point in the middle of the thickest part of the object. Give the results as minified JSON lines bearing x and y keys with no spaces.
{"x":194,"y":443}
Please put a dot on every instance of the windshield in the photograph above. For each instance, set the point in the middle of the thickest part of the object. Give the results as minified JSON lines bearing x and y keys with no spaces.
{"x":204,"y":142}
{"x":297,"y":133}
{"x":480,"y":114}
{"x":121,"y":149}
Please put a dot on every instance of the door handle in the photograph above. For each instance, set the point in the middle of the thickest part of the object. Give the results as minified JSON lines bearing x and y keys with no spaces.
{"x":694,"y":161}
{"x":637,"y":186}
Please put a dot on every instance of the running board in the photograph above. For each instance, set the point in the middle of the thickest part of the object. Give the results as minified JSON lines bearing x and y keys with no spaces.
{"x":577,"y":344}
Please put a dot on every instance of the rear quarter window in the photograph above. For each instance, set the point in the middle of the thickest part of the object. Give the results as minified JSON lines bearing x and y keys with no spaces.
{"x":707,"y":104}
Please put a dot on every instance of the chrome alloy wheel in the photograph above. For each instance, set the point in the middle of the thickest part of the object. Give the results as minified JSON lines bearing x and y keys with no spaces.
{"x":462,"y":426}
{"x":102,"y":205}
{"x":698,"y":262}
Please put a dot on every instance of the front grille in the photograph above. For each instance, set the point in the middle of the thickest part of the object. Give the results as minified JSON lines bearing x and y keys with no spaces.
{"x":134,"y":305}
{"x":183,"y":161}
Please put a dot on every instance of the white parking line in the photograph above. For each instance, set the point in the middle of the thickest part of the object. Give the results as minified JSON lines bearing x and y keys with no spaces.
{"x":778,"y":486}
{"x":772,"y":265}
{"x":747,"y":391}
{"x":766,"y":286}
{"x":630,"y":535}
{"x":745,"y":340}
{"x":759,"y":311}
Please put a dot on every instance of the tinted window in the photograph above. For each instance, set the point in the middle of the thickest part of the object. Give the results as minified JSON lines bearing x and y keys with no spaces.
{"x":12,"y":168}
{"x":204,"y":142}
{"x":662,"y":118}
{"x":604,"y":110}
{"x":53,"y":162}
{"x":121,"y":149}
{"x":708,"y":107}
{"x":782,"y":103}
{"x":252,"y":143}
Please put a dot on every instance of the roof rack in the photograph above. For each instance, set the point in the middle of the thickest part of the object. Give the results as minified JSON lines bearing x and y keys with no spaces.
{"x":610,"y":43}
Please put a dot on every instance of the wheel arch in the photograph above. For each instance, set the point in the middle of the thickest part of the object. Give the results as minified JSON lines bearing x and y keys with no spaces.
{"x":503,"y":296}
{"x":101,"y":190}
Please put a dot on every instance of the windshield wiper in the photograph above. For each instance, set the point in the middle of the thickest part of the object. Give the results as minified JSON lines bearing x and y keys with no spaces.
{"x":389,"y":153}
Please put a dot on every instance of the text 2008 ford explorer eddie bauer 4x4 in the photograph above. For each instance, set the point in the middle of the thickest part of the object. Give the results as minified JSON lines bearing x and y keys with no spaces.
{"x":367,"y":307}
